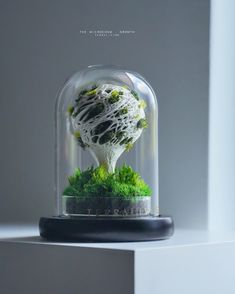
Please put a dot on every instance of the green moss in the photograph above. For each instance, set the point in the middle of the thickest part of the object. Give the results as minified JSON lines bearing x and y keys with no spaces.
{"x":91,"y":92}
{"x":126,"y":141}
{"x":129,"y":146}
{"x":70,"y":110}
{"x":115,"y":93}
{"x":142,"y":123}
{"x":70,"y":191}
{"x":124,"y":182}
{"x":114,"y":97}
{"x":142,"y":104}
{"x":77,"y":134}
{"x":135,"y":94}
{"x":123,"y":111}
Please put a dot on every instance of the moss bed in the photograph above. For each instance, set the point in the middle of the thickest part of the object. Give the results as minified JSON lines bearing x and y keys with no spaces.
{"x":97,"y":192}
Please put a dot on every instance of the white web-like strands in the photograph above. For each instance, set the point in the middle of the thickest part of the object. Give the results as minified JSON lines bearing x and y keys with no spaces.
{"x":106,"y":119}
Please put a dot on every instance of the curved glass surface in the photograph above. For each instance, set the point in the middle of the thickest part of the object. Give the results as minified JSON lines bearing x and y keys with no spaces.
{"x":106,"y":145}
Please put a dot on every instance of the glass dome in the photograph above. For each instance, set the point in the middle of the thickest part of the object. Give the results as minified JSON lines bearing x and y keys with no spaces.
{"x":106,"y":145}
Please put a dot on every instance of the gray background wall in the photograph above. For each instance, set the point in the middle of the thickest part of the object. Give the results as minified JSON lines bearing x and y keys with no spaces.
{"x":41,"y":46}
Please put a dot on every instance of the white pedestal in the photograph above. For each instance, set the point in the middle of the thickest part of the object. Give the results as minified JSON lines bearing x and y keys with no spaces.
{"x":191,"y":262}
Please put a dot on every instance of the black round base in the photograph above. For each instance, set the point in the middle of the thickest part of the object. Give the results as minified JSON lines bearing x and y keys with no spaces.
{"x":101,"y":229}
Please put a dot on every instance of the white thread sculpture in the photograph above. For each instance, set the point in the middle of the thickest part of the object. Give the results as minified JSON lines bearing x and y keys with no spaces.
{"x":107,"y":120}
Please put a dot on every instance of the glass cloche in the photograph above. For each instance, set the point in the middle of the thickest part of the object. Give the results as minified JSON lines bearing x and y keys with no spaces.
{"x":106,"y":163}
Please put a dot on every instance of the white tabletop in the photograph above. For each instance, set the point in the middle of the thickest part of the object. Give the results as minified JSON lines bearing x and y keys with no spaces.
{"x":26,"y":233}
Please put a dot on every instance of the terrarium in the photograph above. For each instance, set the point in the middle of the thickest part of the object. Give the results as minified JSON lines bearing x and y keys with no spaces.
{"x":106,"y":159}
